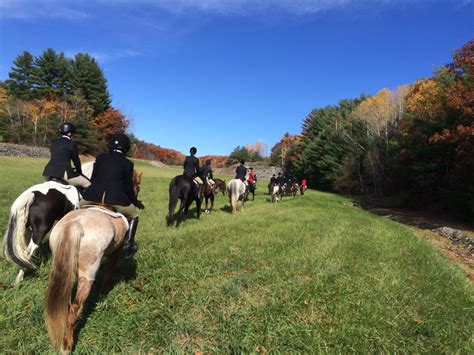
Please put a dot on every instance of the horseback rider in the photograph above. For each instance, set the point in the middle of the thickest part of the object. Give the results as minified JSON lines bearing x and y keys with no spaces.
{"x":191,"y":169}
{"x":206,"y":174}
{"x":241,"y":171}
{"x":280,"y":180}
{"x":252,"y":179}
{"x":112,"y":185}
{"x":63,"y":150}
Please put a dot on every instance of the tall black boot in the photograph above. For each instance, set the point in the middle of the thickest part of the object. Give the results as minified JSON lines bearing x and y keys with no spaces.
{"x":129,"y":245}
{"x":200,"y":189}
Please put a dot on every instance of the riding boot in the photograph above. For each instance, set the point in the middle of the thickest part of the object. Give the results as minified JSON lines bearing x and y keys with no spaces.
{"x":200,"y":189}
{"x":129,"y":245}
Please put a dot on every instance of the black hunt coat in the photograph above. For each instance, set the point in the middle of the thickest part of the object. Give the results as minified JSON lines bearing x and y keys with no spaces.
{"x":206,"y":172}
{"x":63,"y":150}
{"x":112,"y":180}
{"x":240,"y":172}
{"x":191,"y":166}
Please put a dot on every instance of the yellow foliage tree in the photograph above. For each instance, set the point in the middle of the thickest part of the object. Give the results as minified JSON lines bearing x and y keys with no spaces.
{"x":424,"y":101}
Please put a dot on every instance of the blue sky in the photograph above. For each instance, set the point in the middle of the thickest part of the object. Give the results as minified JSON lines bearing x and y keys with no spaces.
{"x":217,"y":74}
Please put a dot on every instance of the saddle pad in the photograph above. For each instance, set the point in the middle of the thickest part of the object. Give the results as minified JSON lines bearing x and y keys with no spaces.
{"x":110,"y":213}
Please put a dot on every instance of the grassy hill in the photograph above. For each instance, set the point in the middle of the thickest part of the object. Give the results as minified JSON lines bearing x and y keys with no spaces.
{"x":310,"y":274}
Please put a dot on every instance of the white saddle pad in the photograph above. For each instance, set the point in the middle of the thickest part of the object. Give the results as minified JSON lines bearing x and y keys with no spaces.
{"x":110,"y":213}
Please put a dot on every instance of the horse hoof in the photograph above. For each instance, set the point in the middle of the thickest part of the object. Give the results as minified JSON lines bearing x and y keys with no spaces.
{"x":207,"y":211}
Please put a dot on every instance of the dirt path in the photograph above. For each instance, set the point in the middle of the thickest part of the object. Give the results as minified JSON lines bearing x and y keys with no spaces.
{"x":424,"y":223}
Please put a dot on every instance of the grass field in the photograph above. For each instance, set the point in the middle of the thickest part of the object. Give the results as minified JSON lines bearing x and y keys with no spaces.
{"x":310,"y":274}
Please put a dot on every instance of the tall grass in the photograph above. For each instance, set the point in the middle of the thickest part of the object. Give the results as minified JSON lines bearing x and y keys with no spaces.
{"x":309,"y":274}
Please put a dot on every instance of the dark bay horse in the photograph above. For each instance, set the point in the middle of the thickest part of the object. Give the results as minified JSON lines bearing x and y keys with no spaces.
{"x":182,"y":188}
{"x":33,"y":214}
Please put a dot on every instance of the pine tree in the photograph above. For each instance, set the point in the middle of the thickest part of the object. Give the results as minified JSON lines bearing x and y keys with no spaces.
{"x":88,"y":79}
{"x":20,"y":84}
{"x":53,"y":74}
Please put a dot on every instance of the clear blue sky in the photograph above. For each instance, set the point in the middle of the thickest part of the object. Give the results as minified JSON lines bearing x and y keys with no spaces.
{"x":216,"y":74}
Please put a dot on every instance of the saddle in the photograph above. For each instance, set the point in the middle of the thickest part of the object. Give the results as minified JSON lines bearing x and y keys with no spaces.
{"x":108,"y":210}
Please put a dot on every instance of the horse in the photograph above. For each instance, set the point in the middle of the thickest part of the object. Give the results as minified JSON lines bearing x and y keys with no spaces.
{"x":78,"y":243}
{"x":184,"y":188}
{"x":220,"y":185}
{"x":294,"y":188}
{"x":276,"y":192}
{"x":209,"y":193}
{"x":236,"y":190}
{"x":250,"y":189}
{"x":33,"y":214}
{"x":302,"y":189}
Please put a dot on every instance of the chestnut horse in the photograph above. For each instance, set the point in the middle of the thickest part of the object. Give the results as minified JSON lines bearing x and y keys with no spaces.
{"x":78,"y":243}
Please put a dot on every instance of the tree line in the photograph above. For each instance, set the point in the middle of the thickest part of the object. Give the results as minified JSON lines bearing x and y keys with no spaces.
{"x":416,"y":141}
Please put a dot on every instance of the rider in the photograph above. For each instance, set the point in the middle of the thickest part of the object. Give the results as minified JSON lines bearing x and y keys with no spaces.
{"x":206,"y":174}
{"x":191,"y":169}
{"x":112,"y":185}
{"x":280,"y":180}
{"x":63,"y":150}
{"x":303,"y":183}
{"x":251,"y":178}
{"x":241,"y":171}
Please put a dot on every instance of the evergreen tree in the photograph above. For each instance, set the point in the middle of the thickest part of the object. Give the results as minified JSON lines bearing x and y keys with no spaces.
{"x":53,"y":74}
{"x":88,"y":79}
{"x":20,"y":84}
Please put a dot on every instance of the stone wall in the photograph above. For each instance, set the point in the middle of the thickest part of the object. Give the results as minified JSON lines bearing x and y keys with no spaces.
{"x":17,"y":150}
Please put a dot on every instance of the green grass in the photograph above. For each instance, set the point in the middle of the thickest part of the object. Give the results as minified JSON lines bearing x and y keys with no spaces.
{"x":308,"y":275}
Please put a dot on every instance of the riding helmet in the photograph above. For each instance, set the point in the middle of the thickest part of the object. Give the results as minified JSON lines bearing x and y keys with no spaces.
{"x":193,"y":150}
{"x":66,"y":127}
{"x":120,"y":141}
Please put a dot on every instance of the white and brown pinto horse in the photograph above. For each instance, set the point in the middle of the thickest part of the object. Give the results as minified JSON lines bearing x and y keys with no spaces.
{"x":276,"y":192}
{"x":236,"y":190}
{"x":33,"y":214}
{"x":78,"y":243}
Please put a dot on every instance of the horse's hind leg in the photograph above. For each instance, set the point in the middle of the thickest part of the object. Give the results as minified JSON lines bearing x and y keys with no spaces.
{"x":32,"y":246}
{"x":83,"y":289}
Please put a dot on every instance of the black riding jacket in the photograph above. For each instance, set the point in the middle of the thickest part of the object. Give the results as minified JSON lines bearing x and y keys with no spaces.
{"x":112,"y":180}
{"x":63,"y":150}
{"x":191,"y":166}
{"x":240,"y":172}
{"x":206,"y":172}
{"x":280,"y":180}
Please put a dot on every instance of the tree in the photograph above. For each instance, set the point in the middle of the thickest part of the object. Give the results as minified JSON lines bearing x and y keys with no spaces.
{"x":53,"y":74}
{"x":109,"y":122}
{"x":21,"y":82}
{"x":89,"y":81}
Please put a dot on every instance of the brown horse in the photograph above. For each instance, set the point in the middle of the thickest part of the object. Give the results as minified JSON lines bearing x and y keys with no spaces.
{"x":78,"y":243}
{"x":209,"y":193}
{"x":294,"y":188}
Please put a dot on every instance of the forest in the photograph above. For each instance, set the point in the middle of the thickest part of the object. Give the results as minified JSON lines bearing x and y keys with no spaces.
{"x":416,"y":142}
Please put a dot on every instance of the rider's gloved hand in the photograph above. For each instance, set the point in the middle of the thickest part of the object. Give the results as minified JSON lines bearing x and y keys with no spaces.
{"x":140,"y":205}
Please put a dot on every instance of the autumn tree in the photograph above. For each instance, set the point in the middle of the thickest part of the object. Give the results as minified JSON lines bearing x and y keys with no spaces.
{"x":109,"y":122}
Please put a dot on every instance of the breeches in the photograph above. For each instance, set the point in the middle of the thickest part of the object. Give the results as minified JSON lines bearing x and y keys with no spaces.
{"x":198,"y":180}
{"x":80,"y":181}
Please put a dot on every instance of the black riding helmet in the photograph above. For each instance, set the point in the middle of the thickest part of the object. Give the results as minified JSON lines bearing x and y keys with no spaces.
{"x":66,"y":127}
{"x":193,"y":150}
{"x":119,"y":141}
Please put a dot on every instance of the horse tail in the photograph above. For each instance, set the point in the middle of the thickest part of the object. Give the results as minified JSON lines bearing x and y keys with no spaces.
{"x":15,"y":241}
{"x":234,"y":197}
{"x":58,"y":294}
{"x":174,"y":196}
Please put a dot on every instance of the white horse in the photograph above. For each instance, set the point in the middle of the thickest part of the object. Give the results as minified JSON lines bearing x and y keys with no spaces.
{"x":33,"y":214}
{"x":78,"y":243}
{"x":276,"y":193}
{"x":236,"y":191}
